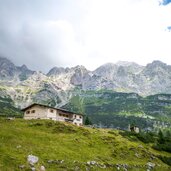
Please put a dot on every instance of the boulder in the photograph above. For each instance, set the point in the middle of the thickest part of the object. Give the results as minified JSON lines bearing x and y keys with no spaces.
{"x":91,"y":162}
{"x":150,"y":165}
{"x":42,"y":168}
{"x":32,"y":159}
{"x":21,"y":166}
{"x":33,"y":169}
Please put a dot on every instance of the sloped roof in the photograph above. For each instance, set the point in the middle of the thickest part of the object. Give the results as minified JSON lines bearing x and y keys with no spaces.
{"x":59,"y":109}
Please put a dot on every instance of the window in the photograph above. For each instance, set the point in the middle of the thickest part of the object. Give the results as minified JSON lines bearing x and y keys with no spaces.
{"x":75,"y":116}
{"x":33,"y":111}
{"x":51,"y":110}
{"x":80,"y":117}
{"x":27,"y":112}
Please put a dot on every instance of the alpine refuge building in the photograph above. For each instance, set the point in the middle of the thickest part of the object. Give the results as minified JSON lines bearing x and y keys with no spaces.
{"x":39,"y":111}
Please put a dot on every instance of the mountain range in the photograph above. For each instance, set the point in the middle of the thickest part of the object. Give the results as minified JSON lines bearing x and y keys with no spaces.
{"x":94,"y":93}
{"x":154,"y":78}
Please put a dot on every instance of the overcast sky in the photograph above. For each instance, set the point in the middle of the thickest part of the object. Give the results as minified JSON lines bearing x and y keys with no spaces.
{"x":47,"y":33}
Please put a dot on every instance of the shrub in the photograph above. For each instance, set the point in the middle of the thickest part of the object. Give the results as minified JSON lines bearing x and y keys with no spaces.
{"x":144,"y":137}
{"x":165,"y":159}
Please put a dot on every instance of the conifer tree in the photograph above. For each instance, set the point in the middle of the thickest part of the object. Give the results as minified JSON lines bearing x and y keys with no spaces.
{"x":88,"y":121}
{"x":161,"y":137}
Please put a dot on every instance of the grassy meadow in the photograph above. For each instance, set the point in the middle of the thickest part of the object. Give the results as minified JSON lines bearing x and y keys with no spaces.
{"x":62,"y":146}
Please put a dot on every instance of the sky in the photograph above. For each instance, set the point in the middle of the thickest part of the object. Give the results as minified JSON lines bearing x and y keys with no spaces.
{"x":65,"y":33}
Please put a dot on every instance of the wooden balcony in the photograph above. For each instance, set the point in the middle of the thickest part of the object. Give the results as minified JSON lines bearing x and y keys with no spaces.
{"x":69,"y":119}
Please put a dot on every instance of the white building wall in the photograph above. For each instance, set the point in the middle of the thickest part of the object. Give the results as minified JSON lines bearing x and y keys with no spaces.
{"x":39,"y":113}
{"x":51,"y":113}
{"x":58,"y":117}
{"x":78,"y":119}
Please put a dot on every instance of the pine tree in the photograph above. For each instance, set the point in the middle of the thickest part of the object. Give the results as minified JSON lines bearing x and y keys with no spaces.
{"x":161,"y":139}
{"x":168,"y":136}
{"x":88,"y":121}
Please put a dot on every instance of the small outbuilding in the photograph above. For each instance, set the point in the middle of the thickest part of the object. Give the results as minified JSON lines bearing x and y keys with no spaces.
{"x":40,"y":111}
{"x":133,"y":128}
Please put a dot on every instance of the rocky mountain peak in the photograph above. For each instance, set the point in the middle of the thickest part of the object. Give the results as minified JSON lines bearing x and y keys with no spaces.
{"x":126,"y":63}
{"x":106,"y":65}
{"x":56,"y":71}
{"x":122,"y":76}
{"x":24,"y":70}
{"x":4,"y":63}
{"x":157,"y":68}
{"x":24,"y":67}
{"x":79,"y":75}
{"x":131,"y":67}
{"x":156,"y":63}
{"x":60,"y":70}
{"x":7,"y":68}
{"x":106,"y":68}
{"x":79,"y":68}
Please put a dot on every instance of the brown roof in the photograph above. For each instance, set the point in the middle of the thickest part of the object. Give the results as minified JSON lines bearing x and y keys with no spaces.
{"x":63,"y":110}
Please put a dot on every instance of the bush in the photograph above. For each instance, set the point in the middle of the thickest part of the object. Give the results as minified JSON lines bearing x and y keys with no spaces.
{"x":163,"y":142}
{"x":165,"y":159}
{"x":62,"y":128}
{"x":163,"y":147}
{"x":144,"y":137}
{"x":130,"y":135}
{"x":49,"y":124}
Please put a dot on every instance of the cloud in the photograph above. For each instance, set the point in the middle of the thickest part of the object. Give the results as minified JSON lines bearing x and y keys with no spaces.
{"x":37,"y":39}
{"x":49,"y":41}
{"x":44,"y":34}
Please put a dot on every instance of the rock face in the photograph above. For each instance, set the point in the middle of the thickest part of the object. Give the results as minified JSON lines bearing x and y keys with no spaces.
{"x":56,"y":71}
{"x":150,"y":165}
{"x":7,"y":69}
{"x":59,"y":84}
{"x":129,"y":77}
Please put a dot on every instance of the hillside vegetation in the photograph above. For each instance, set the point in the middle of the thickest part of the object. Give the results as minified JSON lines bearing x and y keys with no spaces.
{"x":114,"y":109}
{"x":62,"y":146}
{"x":111,"y":109}
{"x":7,"y":108}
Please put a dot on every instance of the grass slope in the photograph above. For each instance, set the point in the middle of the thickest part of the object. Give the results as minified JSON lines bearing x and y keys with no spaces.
{"x":53,"y":142}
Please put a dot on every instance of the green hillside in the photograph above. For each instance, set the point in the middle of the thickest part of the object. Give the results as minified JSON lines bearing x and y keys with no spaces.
{"x":61,"y":146}
{"x":113,"y":109}
{"x":7,"y":109}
